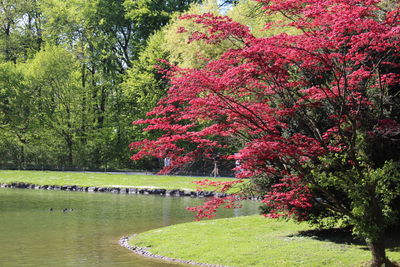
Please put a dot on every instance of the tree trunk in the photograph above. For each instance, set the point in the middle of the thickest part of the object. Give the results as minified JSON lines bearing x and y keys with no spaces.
{"x":70,"y":157}
{"x":21,"y":158}
{"x":377,"y":243}
{"x":377,"y":248}
{"x":69,"y":142}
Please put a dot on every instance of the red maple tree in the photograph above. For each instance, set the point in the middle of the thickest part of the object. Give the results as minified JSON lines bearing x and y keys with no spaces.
{"x":318,"y":112}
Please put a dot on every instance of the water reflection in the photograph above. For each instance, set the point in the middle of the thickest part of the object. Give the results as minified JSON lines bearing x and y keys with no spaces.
{"x":32,"y":235}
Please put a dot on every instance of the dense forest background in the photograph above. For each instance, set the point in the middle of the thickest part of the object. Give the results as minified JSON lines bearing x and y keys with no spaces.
{"x":75,"y":74}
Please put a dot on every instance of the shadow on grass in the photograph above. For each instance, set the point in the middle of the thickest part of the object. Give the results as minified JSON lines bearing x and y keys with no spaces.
{"x":345,"y":236}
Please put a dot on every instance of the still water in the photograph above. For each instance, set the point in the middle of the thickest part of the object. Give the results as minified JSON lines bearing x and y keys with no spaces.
{"x":32,"y":235}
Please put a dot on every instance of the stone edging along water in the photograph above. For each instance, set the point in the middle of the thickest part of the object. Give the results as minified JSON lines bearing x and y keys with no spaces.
{"x":118,"y":190}
{"x":124,"y":241}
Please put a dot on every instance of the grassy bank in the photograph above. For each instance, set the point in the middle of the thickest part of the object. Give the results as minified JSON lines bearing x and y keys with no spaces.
{"x":254,"y":241}
{"x":101,"y":179}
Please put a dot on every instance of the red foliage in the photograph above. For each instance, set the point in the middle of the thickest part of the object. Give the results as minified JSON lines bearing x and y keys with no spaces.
{"x":289,"y":196}
{"x":209,"y":208}
{"x":293,"y":98}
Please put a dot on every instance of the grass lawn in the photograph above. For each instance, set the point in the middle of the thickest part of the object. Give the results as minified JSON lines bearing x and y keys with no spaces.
{"x":254,"y":241}
{"x":102,"y":179}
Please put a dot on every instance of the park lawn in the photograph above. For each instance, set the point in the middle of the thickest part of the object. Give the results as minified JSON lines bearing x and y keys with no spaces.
{"x":252,"y":241}
{"x":102,"y":179}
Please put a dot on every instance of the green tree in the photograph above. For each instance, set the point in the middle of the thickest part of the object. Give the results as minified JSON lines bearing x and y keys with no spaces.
{"x":17,"y":114}
{"x":20,"y":30}
{"x":144,"y":84}
{"x":150,"y":15}
{"x":54,"y":74}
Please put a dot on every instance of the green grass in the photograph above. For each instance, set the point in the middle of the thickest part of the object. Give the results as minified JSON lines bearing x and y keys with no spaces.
{"x":252,"y":241}
{"x":101,"y":179}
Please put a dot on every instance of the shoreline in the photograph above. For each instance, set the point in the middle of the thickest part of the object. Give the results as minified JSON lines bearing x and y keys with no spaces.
{"x":124,"y":242}
{"x":116,"y":190}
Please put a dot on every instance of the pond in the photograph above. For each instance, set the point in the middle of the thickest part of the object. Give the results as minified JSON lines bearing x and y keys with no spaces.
{"x":33,"y":235}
